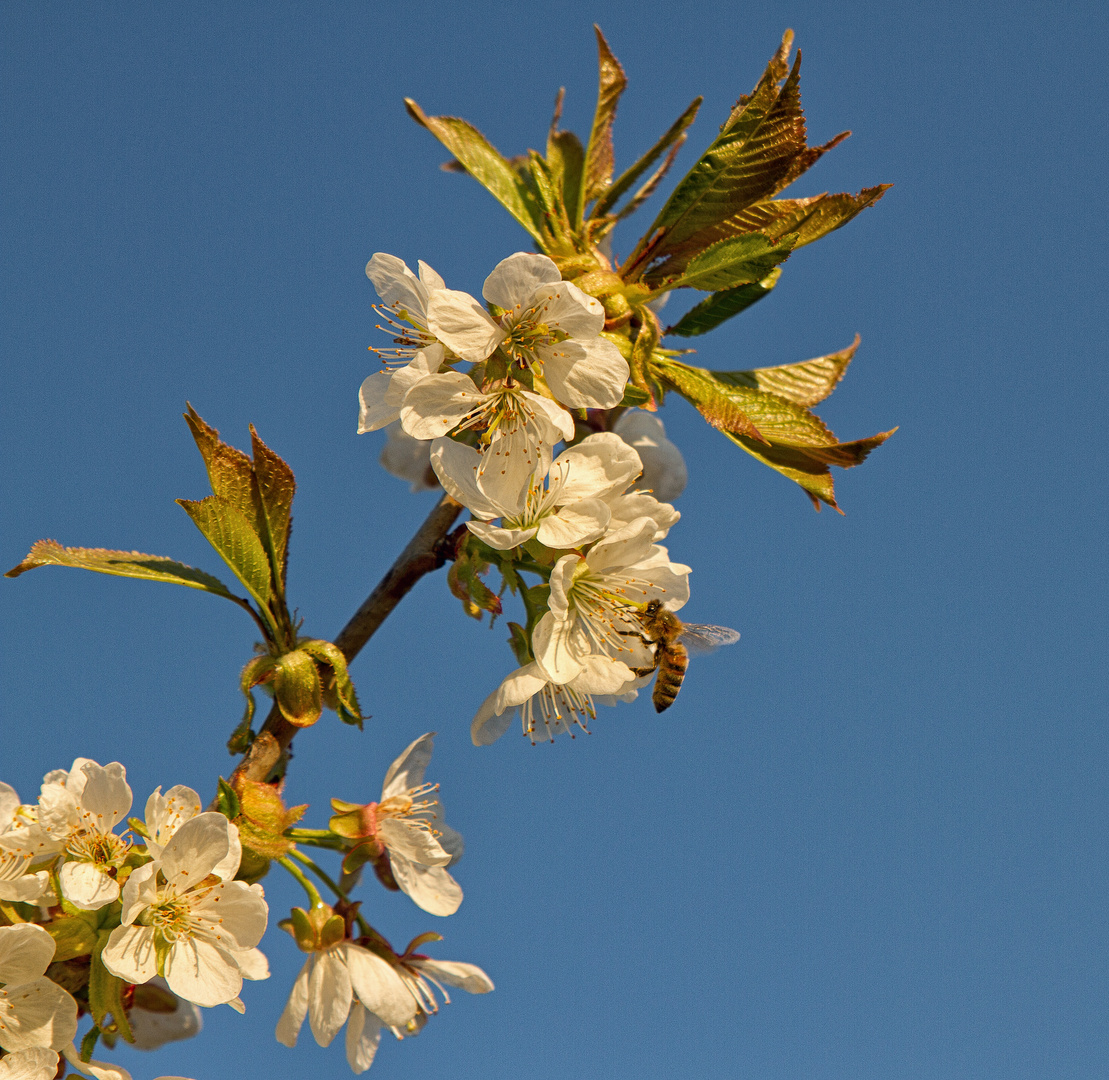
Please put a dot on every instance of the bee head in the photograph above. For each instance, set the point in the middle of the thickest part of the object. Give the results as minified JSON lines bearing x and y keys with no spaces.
{"x":652,"y":608}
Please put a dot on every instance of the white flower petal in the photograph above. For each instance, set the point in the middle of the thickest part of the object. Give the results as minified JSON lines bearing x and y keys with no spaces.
{"x":429,"y":277}
{"x":195,"y":850}
{"x":514,"y":280}
{"x":501,"y":539}
{"x":560,"y":421}
{"x":378,"y":986}
{"x":625,"y":547}
{"x":407,"y":839}
{"x":200,"y":971}
{"x":437,"y":403}
{"x":396,"y":284}
{"x":130,"y":954}
{"x":252,"y":963}
{"x":37,"y":1063}
{"x":36,"y":1013}
{"x":106,"y":796}
{"x":363,"y":1038}
{"x":597,"y":466}
{"x":329,"y":996}
{"x":374,"y":412}
{"x":574,"y":525}
{"x":555,"y":650}
{"x":664,"y":469}
{"x":563,"y":306}
{"x":429,"y":887}
{"x":585,"y":374}
{"x":462,"y":324}
{"x":237,"y":913}
{"x":468,"y":977}
{"x":456,"y":465}
{"x":87,"y":886}
{"x":25,"y":889}
{"x":98,"y":1070}
{"x":140,"y":891}
{"x":25,"y":952}
{"x":407,"y":771}
{"x":407,"y":458}
{"x":165,"y":814}
{"x":159,"y":1016}
{"x":296,"y":1008}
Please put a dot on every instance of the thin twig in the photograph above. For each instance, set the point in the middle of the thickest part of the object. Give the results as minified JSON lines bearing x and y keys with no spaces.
{"x":423,"y":554}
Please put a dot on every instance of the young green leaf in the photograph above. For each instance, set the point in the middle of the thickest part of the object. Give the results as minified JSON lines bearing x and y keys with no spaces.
{"x":230,"y":471}
{"x":742,"y":260}
{"x":485,"y":164}
{"x":227,"y":529}
{"x":806,"y":383}
{"x":566,"y":159}
{"x":133,"y":564}
{"x":275,"y":487}
{"x":599,"y":157}
{"x":296,"y":688}
{"x":721,"y":306}
{"x":674,"y":136}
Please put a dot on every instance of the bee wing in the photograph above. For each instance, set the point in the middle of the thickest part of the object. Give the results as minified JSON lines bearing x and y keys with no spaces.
{"x":704,"y":639}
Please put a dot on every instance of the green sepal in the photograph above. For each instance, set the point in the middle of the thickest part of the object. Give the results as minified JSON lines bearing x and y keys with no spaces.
{"x":634,"y":397}
{"x":422,"y":939}
{"x":73,"y":936}
{"x":106,"y":993}
{"x":138,"y":826}
{"x":721,"y":306}
{"x":485,"y":164}
{"x":132,"y":564}
{"x":231,"y":533}
{"x":227,"y":801}
{"x":519,"y":644}
{"x":88,"y":1043}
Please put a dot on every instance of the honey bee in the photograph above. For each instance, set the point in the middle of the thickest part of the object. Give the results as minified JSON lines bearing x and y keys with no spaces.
{"x":673,"y":641}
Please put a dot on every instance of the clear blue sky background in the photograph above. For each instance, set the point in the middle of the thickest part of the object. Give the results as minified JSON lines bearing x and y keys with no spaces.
{"x":869,"y":841}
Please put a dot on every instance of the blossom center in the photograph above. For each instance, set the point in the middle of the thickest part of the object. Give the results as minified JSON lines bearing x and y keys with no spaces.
{"x":409,"y":335}
{"x":102,"y":849}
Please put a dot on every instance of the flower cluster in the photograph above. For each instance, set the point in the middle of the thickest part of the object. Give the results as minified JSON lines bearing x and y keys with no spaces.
{"x":587,"y":520}
{"x":142,"y":925}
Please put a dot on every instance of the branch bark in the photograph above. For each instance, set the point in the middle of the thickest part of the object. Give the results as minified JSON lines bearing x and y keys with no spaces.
{"x":423,"y":554}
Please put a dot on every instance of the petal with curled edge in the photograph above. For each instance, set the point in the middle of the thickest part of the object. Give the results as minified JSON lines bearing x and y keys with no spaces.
{"x":561,"y":423}
{"x":456,"y":465}
{"x":597,"y":466}
{"x":130,"y":954}
{"x":100,"y":1070}
{"x":195,"y":850}
{"x":462,"y":324}
{"x":329,"y":996}
{"x":363,"y":1038}
{"x":437,"y":403}
{"x":296,"y":1008}
{"x":625,"y":508}
{"x":37,"y":1063}
{"x":25,"y":952}
{"x":559,"y":646}
{"x":203,"y":973}
{"x":374,"y":412}
{"x":512,"y":282}
{"x":36,"y":1013}
{"x":378,"y":986}
{"x":623,"y":548}
{"x":414,"y":843}
{"x":396,"y":284}
{"x":236,"y":914}
{"x":140,"y":891}
{"x":86,"y":886}
{"x":25,"y":889}
{"x":585,"y":374}
{"x":430,"y":278}
{"x":425,"y":362}
{"x":165,"y":814}
{"x":429,"y":887}
{"x":468,"y":977}
{"x":574,"y":524}
{"x":500,"y":538}
{"x":407,"y":771}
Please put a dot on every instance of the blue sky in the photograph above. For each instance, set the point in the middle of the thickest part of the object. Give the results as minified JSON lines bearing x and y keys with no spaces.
{"x":868,"y":841}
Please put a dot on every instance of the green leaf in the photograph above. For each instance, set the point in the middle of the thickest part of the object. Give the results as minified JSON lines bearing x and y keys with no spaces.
{"x":634,"y":397}
{"x":806,"y":383}
{"x":674,"y":136}
{"x":227,"y":529}
{"x":340,"y":695}
{"x":741,"y":260}
{"x":485,"y":164}
{"x":296,"y":688}
{"x":566,"y":159}
{"x":753,"y":152}
{"x":131,"y":564}
{"x":779,"y":432}
{"x":721,"y":306}
{"x":106,"y":993}
{"x":275,"y":487}
{"x":599,"y":157}
{"x":227,"y":801}
{"x":230,"y":471}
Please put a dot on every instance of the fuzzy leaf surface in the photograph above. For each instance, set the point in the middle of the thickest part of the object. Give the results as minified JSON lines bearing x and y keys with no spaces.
{"x":275,"y":488}
{"x":599,"y":157}
{"x":229,"y":531}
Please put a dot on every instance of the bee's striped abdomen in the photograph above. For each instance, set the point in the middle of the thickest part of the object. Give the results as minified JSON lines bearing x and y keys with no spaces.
{"x":672,"y":662}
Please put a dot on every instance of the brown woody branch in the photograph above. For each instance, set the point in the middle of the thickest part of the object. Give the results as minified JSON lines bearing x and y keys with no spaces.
{"x":425,"y":552}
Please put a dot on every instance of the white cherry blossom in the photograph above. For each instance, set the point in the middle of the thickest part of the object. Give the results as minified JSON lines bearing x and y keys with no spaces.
{"x":407,"y":824}
{"x":34,"y":1011}
{"x":405,"y":297}
{"x":37,"y":1063}
{"x":184,"y":922}
{"x":547,"y":709}
{"x":420,"y":973}
{"x":381,"y":395}
{"x":333,"y":983}
{"x":22,"y":842}
{"x":79,"y":809}
{"x":595,"y":598}
{"x":548,"y":326}
{"x":568,"y":511}
{"x":518,"y":428}
{"x":165,"y":814}
{"x":664,"y":471}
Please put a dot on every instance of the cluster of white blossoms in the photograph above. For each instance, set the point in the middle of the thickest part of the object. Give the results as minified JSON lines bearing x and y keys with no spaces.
{"x":587,"y":519}
{"x":155,"y":905}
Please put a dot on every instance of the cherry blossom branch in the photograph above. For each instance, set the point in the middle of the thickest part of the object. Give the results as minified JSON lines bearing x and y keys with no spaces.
{"x":423,"y":554}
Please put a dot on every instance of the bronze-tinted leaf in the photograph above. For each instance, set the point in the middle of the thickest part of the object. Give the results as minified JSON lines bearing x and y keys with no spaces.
{"x":230,"y":471}
{"x":275,"y":489}
{"x":806,"y":383}
{"x":599,"y":158}
{"x":229,"y":531}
